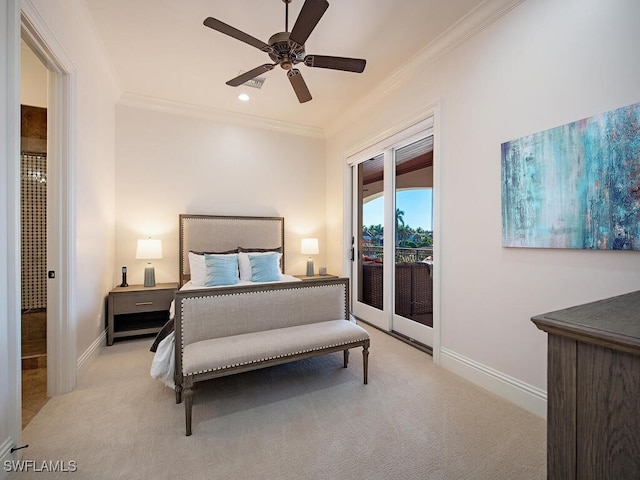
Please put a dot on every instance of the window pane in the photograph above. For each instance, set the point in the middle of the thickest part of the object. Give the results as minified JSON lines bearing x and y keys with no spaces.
{"x":414,"y":231}
{"x":371,"y":228}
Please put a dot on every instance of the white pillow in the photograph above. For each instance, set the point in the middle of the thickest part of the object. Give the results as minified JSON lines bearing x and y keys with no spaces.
{"x":198,"y":269}
{"x":245,"y":264}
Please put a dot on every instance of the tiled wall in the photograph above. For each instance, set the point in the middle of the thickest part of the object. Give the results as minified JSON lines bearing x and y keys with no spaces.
{"x":33,"y":186}
{"x":34,"y":231}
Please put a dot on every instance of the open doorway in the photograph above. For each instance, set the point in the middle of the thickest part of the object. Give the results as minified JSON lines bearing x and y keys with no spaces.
{"x":33,"y":234}
{"x":61,"y":359}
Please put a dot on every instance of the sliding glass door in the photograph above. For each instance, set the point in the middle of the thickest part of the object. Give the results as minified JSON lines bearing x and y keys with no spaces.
{"x":393,"y":238}
{"x":413,"y":240}
{"x":368,"y":236}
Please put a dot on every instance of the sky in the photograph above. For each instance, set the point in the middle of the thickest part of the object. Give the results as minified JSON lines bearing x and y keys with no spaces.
{"x":416,"y":205}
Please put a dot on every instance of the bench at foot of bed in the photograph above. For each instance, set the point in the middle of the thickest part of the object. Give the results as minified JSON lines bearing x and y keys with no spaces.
{"x":262,"y":328}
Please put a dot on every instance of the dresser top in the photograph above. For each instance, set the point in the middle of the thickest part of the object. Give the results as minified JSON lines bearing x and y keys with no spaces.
{"x":613,"y":322}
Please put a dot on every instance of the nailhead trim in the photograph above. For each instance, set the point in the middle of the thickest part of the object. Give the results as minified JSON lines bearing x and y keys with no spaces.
{"x":303,"y":285}
{"x":273,"y":358}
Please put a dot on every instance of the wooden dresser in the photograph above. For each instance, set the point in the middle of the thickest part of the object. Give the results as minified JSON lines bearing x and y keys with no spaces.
{"x":593,"y":409}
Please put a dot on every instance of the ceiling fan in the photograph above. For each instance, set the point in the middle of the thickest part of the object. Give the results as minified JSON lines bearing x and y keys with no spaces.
{"x":287,"y":48}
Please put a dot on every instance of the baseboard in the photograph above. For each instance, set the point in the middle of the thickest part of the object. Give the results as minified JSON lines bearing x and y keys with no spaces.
{"x":522,"y":394}
{"x":91,"y":353}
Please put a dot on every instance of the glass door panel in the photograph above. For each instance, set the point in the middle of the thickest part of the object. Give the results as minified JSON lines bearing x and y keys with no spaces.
{"x":369,"y":241}
{"x":413,"y":245}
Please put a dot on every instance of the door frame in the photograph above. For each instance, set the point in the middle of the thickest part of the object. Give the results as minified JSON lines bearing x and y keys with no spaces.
{"x":61,"y":318}
{"x":10,"y":322}
{"x":428,"y":118}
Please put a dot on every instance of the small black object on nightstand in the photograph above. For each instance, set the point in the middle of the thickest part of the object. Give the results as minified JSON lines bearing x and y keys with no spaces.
{"x":124,"y":277}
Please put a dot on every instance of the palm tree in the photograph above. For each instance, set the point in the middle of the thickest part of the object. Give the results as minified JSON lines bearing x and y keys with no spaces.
{"x":403,"y":233}
{"x":399,"y":223}
{"x":377,"y":233}
{"x":424,"y":238}
{"x":399,"y":217}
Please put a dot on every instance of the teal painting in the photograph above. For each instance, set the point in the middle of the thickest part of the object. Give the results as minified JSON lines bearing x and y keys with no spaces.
{"x":575,"y":186}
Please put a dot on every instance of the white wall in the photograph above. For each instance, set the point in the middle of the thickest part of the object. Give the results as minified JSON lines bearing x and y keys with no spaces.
{"x":168,"y":164}
{"x":545,"y":63}
{"x":95,"y":92}
{"x":33,"y":79}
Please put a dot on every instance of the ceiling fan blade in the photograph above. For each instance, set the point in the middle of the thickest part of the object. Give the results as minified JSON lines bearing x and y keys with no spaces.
{"x":310,"y":15}
{"x":297,"y":82}
{"x":246,"y":76}
{"x":235,"y":33}
{"x":336,"y":63}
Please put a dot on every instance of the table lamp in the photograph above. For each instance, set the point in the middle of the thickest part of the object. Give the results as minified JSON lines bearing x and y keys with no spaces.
{"x":149,"y":249}
{"x":309,"y":246}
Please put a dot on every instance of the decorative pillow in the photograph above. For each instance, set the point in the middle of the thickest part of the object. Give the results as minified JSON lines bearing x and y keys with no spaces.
{"x":221,"y":270}
{"x":198,"y":267}
{"x":264,"y":268}
{"x":245,"y":264}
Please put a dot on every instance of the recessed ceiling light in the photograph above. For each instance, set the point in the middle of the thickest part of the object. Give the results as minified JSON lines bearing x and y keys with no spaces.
{"x":244,"y":97}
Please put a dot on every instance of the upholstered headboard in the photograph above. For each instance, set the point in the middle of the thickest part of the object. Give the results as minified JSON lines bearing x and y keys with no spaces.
{"x":216,"y":233}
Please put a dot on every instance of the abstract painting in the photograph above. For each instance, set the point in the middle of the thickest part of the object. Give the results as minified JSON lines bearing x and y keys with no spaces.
{"x":575,"y":186}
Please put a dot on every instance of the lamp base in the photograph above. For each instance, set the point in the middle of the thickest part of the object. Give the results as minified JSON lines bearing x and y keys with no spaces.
{"x":310,"y":268}
{"x":149,"y":276}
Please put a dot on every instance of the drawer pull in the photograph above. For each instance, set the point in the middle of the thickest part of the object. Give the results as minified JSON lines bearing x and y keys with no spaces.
{"x":138,"y":304}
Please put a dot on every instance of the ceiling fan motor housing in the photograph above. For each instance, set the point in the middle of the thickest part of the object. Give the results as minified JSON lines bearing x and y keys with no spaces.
{"x":284,"y":51}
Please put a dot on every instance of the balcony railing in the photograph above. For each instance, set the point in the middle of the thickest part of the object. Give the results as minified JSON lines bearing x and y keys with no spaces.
{"x":402,"y":254}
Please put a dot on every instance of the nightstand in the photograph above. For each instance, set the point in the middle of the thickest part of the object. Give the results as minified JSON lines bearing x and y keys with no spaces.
{"x":138,"y":310}
{"x":306,"y":278}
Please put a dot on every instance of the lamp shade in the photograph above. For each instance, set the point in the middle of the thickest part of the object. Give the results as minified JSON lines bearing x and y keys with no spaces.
{"x":309,"y":246}
{"x":149,"y":249}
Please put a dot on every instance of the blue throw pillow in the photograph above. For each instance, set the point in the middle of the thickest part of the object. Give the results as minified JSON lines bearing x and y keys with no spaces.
{"x":264,"y":268}
{"x":221,"y":270}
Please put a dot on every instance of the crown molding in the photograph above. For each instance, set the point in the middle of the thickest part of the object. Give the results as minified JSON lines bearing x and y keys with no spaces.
{"x":215,"y":114}
{"x":468,"y":26}
{"x":482,"y":16}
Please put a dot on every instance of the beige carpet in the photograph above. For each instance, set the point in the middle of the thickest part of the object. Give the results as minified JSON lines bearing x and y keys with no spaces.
{"x":307,"y":420}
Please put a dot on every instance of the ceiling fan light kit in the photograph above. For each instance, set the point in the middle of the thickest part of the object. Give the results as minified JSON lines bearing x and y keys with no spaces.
{"x":287,"y":48}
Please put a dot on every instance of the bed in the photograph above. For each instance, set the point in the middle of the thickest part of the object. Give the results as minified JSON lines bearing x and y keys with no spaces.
{"x":199,"y":234}
{"x":225,"y":329}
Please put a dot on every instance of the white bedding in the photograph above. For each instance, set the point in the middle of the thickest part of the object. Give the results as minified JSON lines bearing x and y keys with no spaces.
{"x":163,"y":364}
{"x":241,"y":283}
